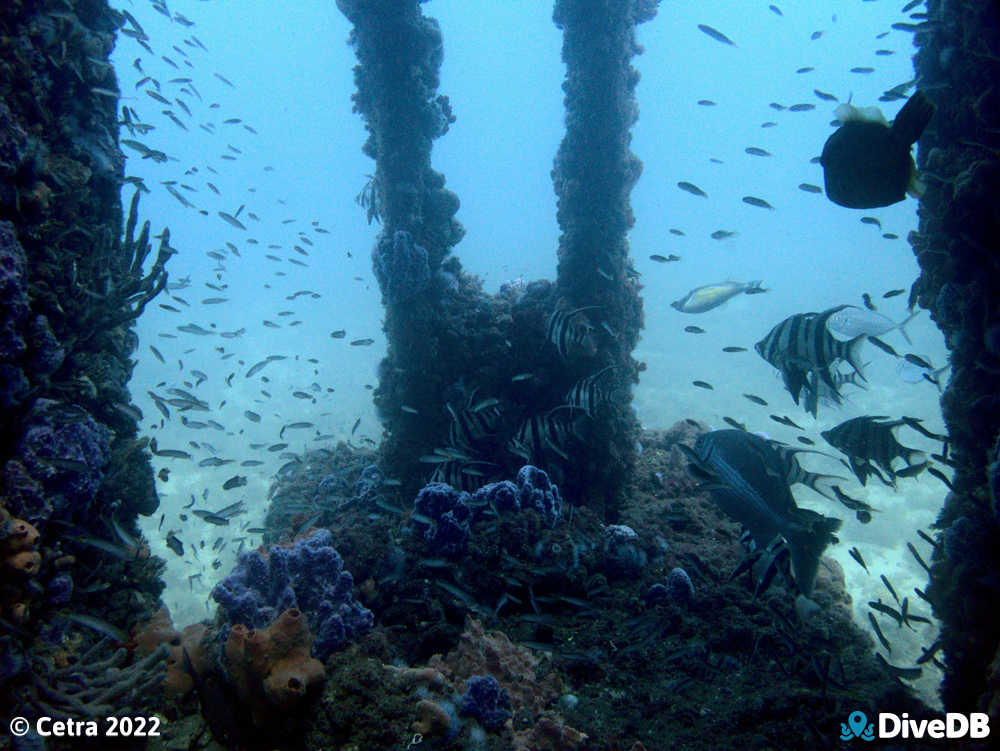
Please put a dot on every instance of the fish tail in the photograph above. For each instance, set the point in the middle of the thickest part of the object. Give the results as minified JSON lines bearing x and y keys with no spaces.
{"x":807,"y":542}
{"x":903,"y":325}
{"x":823,"y":484}
{"x":853,"y":352}
{"x":913,"y":118}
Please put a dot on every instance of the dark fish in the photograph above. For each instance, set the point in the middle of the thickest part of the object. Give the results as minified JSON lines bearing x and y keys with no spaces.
{"x":826,"y":97}
{"x":356,"y":424}
{"x":694,"y":330}
{"x":786,"y":420}
{"x":362,"y":342}
{"x":277,"y":447}
{"x":251,"y":416}
{"x":806,"y":441}
{"x":856,"y":555}
{"x":716,"y":34}
{"x":733,"y":423}
{"x":810,"y":188}
{"x":756,"y":399}
{"x":734,"y":349}
{"x":775,"y":9}
{"x":754,"y":151}
{"x":706,"y":102}
{"x":722,"y":234}
{"x":867,"y":163}
{"x":886,"y":610}
{"x":703,"y":385}
{"x":910,"y":674}
{"x":879,"y":634}
{"x":175,"y":544}
{"x":692,"y":189}
{"x":753,"y":491}
{"x":807,"y":69}
{"x":867,"y":300}
{"x":664,"y":259}
{"x":815,"y":35}
{"x":759,"y":202}
{"x":804,"y":107}
{"x":888,"y":585}
{"x":918,"y":361}
{"x":941,"y":476}
{"x":883,"y":346}
{"x":229,"y":218}
{"x":338,"y":334}
{"x":236,"y":481}
{"x":893,"y":293}
{"x":916,"y":555}
{"x":869,"y":442}
{"x":862,"y":70}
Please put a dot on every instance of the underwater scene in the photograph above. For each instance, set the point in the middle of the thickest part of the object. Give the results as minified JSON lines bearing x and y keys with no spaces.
{"x":612,"y":375}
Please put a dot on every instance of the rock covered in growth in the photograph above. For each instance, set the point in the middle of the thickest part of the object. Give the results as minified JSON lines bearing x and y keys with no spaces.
{"x":62,"y":454}
{"x":401,"y":266}
{"x":679,"y":586}
{"x":307,"y":575}
{"x":271,"y":668}
{"x":485,"y":700}
{"x":13,"y":311}
{"x":623,"y":553}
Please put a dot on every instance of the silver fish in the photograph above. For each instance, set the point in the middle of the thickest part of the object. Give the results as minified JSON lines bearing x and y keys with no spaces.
{"x":712,"y":296}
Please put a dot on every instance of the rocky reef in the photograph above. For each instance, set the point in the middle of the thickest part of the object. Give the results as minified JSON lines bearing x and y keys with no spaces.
{"x":958,"y":64}
{"x":73,"y":473}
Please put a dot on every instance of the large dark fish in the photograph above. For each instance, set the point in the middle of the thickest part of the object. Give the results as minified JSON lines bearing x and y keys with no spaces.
{"x":867,"y":162}
{"x":752,"y":489}
{"x":869,"y":442}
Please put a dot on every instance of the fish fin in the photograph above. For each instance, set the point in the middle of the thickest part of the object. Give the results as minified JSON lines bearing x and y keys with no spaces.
{"x":913,"y":118}
{"x":903,"y":325}
{"x":823,"y":484}
{"x":807,"y":542}
{"x":853,"y":351}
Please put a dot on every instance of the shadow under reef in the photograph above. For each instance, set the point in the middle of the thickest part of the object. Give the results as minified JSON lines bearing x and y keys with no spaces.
{"x":553,"y":631}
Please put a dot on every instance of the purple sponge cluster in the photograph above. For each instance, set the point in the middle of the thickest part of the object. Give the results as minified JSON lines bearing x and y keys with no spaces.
{"x":485,"y":700}
{"x":444,"y":515}
{"x":308,"y":575}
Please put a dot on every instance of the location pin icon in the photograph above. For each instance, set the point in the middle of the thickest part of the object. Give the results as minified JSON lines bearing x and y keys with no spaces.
{"x":857,"y":721}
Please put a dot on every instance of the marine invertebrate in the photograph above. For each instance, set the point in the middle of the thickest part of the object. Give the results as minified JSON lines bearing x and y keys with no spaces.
{"x":271,"y":668}
{"x":307,"y":575}
{"x":443,"y":517}
{"x":93,"y":687}
{"x":124,"y":291}
{"x":20,"y":562}
{"x":535,"y":490}
{"x":485,"y":700}
{"x":623,"y":553}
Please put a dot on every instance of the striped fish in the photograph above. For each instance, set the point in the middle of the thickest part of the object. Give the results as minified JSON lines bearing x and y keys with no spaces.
{"x":869,"y":442}
{"x":801,"y":345}
{"x":750,"y":487}
{"x":542,"y":434}
{"x":587,"y":393}
{"x":470,"y":426}
{"x":568,"y":330}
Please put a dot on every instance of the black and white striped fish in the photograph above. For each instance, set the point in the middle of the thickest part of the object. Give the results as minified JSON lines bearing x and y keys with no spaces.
{"x":587,"y":393}
{"x":544,"y":434}
{"x":569,"y":330}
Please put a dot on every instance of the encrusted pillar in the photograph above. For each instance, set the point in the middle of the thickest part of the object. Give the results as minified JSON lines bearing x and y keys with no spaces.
{"x":958,"y":248}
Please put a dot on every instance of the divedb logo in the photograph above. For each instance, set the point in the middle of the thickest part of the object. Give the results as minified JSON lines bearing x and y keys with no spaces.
{"x":974,"y":725}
